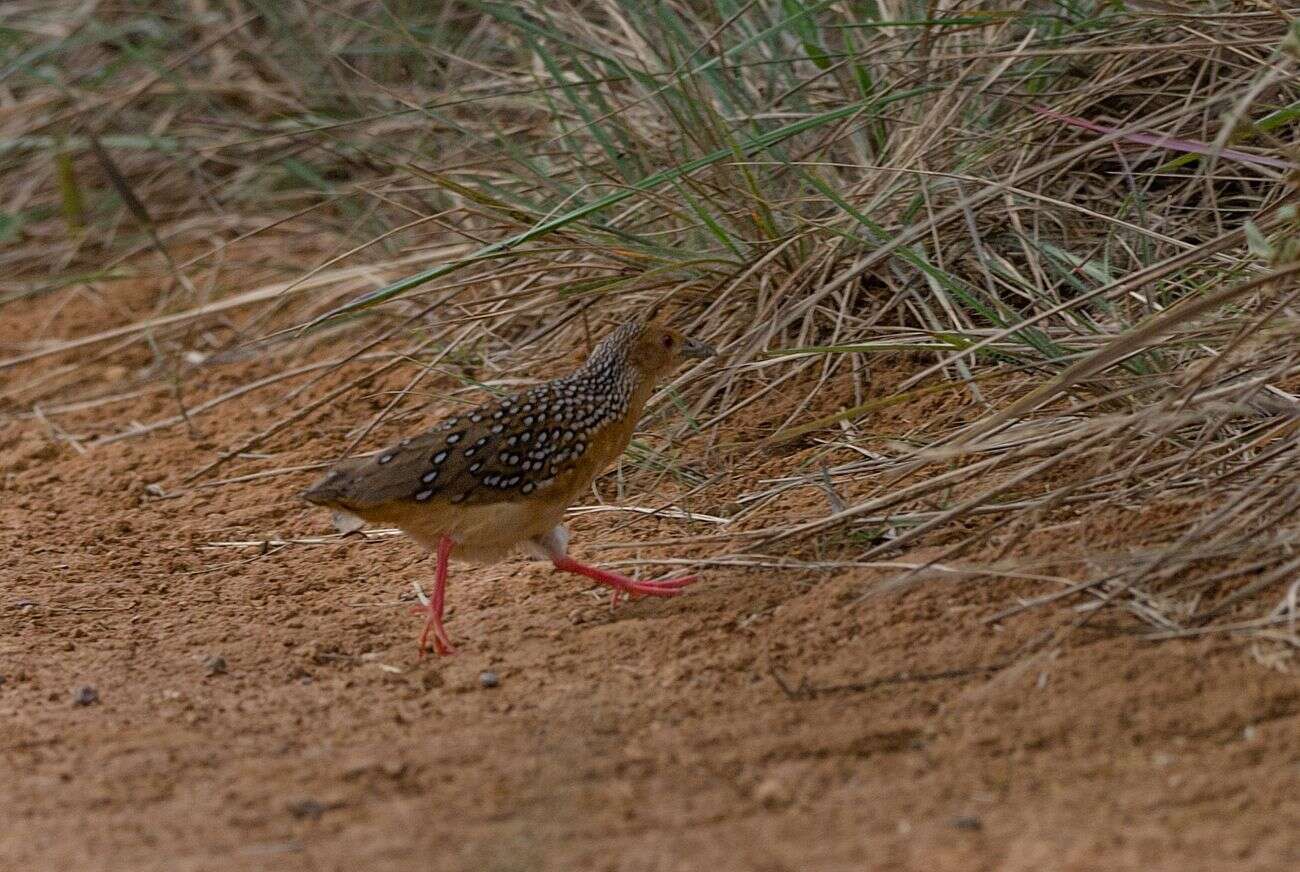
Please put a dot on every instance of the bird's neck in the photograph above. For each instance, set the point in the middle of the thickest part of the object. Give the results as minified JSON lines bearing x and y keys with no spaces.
{"x":610,"y":365}
{"x":643,"y":386}
{"x":616,"y":368}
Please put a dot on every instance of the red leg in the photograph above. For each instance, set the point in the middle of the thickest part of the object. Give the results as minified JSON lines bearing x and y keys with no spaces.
{"x":441,"y":643}
{"x":621,"y":583}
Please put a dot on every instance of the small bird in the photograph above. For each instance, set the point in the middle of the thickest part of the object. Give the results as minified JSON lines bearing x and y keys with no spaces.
{"x":481,"y":484}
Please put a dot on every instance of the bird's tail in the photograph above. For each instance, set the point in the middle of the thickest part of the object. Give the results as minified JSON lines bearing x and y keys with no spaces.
{"x":331,"y":491}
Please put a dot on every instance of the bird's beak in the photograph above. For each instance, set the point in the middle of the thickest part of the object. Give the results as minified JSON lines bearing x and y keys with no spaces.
{"x":696,"y":348}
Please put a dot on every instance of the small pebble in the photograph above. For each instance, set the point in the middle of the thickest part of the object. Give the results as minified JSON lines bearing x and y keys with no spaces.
{"x":488,"y":679}
{"x":85,"y":696}
{"x":215,"y":665}
{"x":773,"y":793}
{"x":968,"y":823}
{"x":307,"y":808}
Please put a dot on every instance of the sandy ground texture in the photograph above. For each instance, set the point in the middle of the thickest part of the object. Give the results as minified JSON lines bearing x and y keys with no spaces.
{"x":173,"y":703}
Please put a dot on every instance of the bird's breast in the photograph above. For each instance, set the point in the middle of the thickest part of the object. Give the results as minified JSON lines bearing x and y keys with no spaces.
{"x":483,"y":533}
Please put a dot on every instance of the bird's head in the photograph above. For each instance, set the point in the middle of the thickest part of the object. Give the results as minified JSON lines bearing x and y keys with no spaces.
{"x":658,"y":349}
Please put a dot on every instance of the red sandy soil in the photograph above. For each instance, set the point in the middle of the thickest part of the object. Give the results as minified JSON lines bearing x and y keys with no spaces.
{"x":653,"y":737}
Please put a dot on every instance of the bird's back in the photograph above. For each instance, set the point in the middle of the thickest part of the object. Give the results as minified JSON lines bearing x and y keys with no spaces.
{"x":543,"y":445}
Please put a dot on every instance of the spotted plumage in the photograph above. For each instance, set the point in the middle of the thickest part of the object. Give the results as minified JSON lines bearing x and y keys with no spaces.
{"x":510,"y":448}
{"x":481,"y":483}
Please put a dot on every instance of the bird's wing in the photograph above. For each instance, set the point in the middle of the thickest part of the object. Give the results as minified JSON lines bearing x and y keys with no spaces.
{"x":500,"y":452}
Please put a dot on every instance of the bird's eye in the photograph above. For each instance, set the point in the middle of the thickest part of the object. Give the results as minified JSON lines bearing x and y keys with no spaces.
{"x":668,"y":342}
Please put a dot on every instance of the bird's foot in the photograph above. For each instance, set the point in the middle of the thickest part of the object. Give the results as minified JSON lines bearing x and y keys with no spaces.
{"x":655,"y":587}
{"x":433,"y":624}
{"x":622,"y":585}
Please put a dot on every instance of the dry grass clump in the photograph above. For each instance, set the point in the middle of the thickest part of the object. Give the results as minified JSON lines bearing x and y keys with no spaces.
{"x":1062,"y":234}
